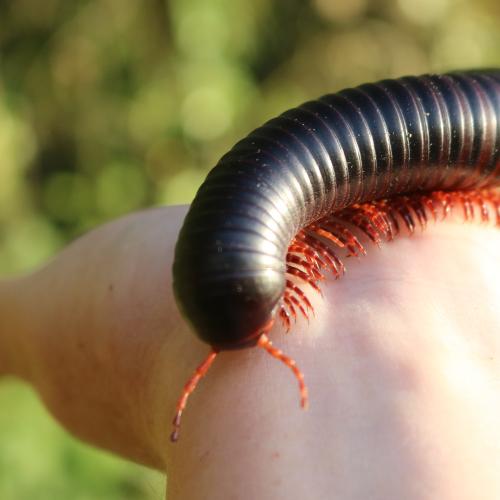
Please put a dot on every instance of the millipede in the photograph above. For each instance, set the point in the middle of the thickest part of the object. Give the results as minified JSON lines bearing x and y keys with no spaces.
{"x":279,"y":211}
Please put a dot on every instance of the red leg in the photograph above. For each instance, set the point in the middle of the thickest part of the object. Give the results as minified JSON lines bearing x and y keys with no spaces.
{"x":312,"y":253}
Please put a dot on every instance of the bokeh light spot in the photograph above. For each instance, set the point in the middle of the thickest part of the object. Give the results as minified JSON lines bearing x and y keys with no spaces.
{"x":182,"y":187}
{"x":424,"y":12}
{"x":206,"y":113}
{"x":121,"y":188}
{"x":340,"y":10}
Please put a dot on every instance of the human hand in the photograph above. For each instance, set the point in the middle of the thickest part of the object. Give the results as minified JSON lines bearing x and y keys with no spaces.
{"x":401,"y":361}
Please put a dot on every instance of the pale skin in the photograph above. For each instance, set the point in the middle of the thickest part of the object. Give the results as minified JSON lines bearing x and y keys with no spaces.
{"x":402,"y":361}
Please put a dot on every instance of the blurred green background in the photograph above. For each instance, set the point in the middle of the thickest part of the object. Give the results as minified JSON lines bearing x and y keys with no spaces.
{"x":107,"y":106}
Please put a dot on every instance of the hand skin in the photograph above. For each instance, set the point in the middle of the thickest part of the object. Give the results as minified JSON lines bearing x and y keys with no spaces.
{"x":402,"y":362}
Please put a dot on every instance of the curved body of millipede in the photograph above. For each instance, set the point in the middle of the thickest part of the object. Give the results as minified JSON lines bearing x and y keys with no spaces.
{"x":371,"y":160}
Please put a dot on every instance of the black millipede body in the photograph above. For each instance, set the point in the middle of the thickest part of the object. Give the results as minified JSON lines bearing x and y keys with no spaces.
{"x":234,"y":261}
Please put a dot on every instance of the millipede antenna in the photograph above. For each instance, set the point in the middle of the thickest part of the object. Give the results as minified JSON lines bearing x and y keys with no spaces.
{"x":266,"y":344}
{"x":190,"y":386}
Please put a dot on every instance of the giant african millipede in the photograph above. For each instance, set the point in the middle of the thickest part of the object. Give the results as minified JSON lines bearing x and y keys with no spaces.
{"x":371,"y":160}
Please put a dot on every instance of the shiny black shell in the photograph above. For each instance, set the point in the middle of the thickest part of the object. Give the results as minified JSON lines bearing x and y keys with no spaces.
{"x":373,"y":141}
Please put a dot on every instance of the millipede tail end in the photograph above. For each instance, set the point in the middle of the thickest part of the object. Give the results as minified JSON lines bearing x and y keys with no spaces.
{"x":190,"y":386}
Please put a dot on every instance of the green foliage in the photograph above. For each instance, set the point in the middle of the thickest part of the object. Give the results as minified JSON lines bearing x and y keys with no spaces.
{"x":39,"y":461}
{"x":107,"y":106}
